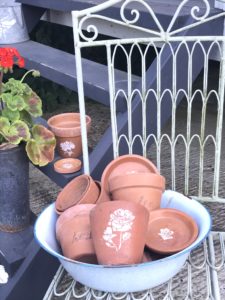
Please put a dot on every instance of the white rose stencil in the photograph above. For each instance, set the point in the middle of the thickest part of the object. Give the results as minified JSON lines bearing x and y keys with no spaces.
{"x":118,"y":229}
{"x":67,"y":147}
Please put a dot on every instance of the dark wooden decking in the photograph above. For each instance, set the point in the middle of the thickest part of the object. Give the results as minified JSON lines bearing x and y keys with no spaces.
{"x":162,"y":7}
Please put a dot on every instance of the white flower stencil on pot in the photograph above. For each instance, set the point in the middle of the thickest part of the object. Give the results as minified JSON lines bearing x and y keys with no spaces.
{"x":166,"y":234}
{"x":119,"y":228}
{"x":67,"y":147}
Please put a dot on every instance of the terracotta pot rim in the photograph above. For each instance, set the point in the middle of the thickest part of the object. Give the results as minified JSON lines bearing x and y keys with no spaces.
{"x":138,"y":159}
{"x":69,"y":131}
{"x":122,"y":202}
{"x":75,"y":182}
{"x":130,"y":180}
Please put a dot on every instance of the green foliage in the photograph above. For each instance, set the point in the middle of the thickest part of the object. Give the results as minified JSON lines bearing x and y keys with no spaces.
{"x":19,"y":104}
{"x":40,"y":148}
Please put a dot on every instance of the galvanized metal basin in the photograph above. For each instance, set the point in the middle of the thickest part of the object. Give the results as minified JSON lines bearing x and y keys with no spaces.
{"x":127,"y":278}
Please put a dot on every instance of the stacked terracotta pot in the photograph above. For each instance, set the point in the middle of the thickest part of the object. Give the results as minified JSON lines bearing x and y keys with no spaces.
{"x":67,"y":130}
{"x":73,"y":205}
{"x":134,"y":178}
{"x":108,"y":223}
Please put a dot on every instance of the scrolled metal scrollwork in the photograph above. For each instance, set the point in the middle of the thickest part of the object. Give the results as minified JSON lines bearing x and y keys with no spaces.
{"x":130,"y":13}
{"x":135,"y":13}
{"x":194,"y":12}
{"x":196,"y":9}
{"x":89,"y":28}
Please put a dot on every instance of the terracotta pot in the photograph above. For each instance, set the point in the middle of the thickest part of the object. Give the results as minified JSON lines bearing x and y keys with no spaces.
{"x":126,"y":164}
{"x":118,"y":230}
{"x":143,"y":188}
{"x":74,"y":234}
{"x":104,"y":196}
{"x":81,"y":190}
{"x":67,"y":130}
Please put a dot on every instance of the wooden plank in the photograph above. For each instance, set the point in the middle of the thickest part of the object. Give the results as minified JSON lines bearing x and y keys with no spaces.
{"x":33,"y":277}
{"x":160,"y":7}
{"x":32,"y":15}
{"x":60,"y":13}
{"x":59,"y":66}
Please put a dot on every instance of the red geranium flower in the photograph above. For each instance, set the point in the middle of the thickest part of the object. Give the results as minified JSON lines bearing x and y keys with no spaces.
{"x":10,"y":57}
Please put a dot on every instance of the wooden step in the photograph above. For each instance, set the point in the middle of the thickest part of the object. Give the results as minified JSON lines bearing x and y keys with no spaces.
{"x":163,"y":7}
{"x":59,"y":66}
{"x":33,"y":277}
{"x":61,"y":5}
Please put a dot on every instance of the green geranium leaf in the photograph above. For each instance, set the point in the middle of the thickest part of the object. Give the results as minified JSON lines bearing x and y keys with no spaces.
{"x":2,"y":139}
{"x":6,"y":97}
{"x":17,"y":132}
{"x":4,"y":125}
{"x":10,"y":115}
{"x":16,"y":87}
{"x":40,"y":149}
{"x":26,"y":117}
{"x":26,"y":89}
{"x":33,"y":105}
{"x":10,"y":85}
{"x":16,"y":103}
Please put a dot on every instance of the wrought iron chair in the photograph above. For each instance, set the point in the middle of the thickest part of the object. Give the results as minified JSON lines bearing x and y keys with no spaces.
{"x":168,"y":117}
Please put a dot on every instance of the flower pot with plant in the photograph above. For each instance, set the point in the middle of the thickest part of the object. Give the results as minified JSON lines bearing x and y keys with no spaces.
{"x":20,"y":139}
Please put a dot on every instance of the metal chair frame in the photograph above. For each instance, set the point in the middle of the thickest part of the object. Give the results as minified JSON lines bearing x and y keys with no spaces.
{"x":178,"y":50}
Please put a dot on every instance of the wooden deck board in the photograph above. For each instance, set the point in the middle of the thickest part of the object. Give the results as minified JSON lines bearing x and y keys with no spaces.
{"x":163,"y":7}
{"x":59,"y":67}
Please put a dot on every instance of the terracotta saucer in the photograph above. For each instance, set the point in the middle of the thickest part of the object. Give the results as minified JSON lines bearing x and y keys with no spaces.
{"x":126,"y":164}
{"x":67,"y":165}
{"x":170,"y":231}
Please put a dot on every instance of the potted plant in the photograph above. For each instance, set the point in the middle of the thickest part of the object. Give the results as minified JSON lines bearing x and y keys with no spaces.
{"x":20,"y":139}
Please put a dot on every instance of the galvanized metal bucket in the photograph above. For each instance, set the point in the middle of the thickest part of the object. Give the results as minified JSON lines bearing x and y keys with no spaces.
{"x":14,"y":190}
{"x":12,"y":25}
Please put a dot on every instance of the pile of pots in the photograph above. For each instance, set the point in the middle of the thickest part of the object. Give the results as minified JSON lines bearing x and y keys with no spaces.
{"x":108,"y":222}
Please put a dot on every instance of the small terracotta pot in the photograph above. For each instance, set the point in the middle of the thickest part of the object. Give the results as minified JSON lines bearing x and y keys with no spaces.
{"x":67,"y":130}
{"x":118,"y":230}
{"x":74,"y":233}
{"x":126,"y":164}
{"x":81,"y":190}
{"x":143,"y":188}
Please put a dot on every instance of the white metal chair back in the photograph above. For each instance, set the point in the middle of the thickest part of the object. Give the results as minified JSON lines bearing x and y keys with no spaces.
{"x":185,"y":141}
{"x":162,"y":86}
